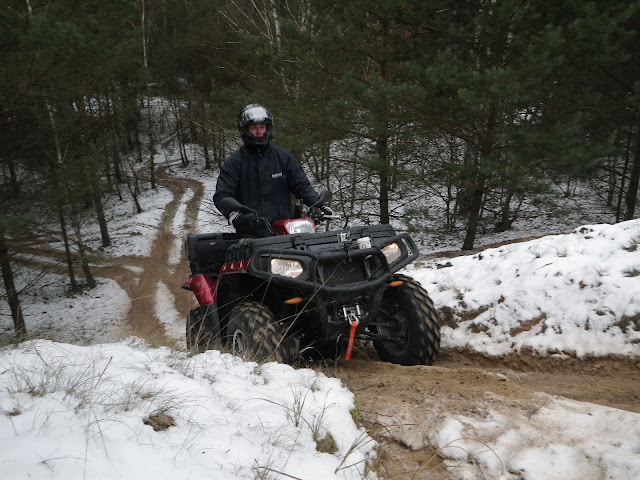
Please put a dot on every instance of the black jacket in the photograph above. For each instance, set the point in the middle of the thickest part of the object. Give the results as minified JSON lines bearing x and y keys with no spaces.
{"x":263,"y":179}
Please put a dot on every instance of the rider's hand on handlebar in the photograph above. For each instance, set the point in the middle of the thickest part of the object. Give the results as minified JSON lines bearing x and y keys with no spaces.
{"x":243,"y":220}
{"x":320,"y":213}
{"x":326,"y":211}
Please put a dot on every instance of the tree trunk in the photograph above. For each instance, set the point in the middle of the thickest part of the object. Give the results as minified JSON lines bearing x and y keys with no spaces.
{"x":77,"y":228}
{"x":102,"y":221}
{"x":14,"y":185}
{"x":480,"y":177}
{"x":623,"y":177}
{"x":207,"y":156}
{"x":634,"y":180}
{"x":220,"y":152}
{"x":138,"y":143}
{"x":152,"y":167}
{"x":67,"y":248}
{"x":473,"y":219}
{"x":61,"y":185}
{"x":86,"y":270}
{"x":134,"y":189}
{"x":10,"y":287}
{"x":181,"y":135}
{"x":505,"y":213}
{"x":206,"y":138}
{"x":612,"y":177}
{"x":382,"y":147}
{"x":144,"y":24}
{"x":326,"y":164}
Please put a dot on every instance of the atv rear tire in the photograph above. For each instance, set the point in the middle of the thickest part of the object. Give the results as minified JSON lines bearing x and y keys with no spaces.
{"x":253,"y":333}
{"x":203,"y":328}
{"x":407,"y":315}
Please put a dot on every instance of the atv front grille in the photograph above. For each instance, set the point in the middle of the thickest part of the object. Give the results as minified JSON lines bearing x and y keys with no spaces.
{"x":341,"y":273}
{"x":337,"y":272}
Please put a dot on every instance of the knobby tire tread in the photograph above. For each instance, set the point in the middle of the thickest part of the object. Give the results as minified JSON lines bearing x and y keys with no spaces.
{"x":423,"y":342}
{"x":262,"y":331}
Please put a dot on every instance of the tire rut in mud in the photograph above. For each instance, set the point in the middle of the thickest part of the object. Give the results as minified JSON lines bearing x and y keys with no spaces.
{"x":400,"y":406}
{"x":156,"y":268}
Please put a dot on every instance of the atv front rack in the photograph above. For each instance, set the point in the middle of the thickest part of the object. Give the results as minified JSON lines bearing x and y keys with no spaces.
{"x":325,"y":263}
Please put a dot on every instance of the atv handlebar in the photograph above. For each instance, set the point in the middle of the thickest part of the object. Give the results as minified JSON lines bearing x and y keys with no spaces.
{"x":230,"y":204}
{"x":317,"y":212}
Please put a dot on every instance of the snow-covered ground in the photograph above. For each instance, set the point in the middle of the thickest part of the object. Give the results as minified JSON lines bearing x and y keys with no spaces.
{"x":84,"y":403}
{"x":576,"y":294}
{"x":125,"y":410}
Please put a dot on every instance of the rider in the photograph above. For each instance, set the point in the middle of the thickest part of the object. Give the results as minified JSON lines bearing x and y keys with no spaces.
{"x":261,"y":176}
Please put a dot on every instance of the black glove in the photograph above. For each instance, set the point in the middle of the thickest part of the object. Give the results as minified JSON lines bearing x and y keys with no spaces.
{"x":320,"y":212}
{"x":243,"y":220}
{"x":324,"y":210}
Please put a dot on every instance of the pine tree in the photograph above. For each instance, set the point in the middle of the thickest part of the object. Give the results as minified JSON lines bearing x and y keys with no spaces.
{"x":508,"y":79}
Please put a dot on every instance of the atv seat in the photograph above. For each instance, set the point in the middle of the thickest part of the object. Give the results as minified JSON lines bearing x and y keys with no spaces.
{"x":207,"y":252}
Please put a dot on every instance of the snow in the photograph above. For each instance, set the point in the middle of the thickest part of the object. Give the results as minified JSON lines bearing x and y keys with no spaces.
{"x":75,"y":406}
{"x":78,"y":412}
{"x":561,"y":294}
{"x":563,"y":439}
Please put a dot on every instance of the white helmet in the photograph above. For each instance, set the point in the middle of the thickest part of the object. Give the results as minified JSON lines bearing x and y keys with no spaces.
{"x":251,"y":115}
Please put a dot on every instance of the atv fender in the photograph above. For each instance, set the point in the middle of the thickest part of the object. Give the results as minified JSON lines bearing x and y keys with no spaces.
{"x":202,"y":287}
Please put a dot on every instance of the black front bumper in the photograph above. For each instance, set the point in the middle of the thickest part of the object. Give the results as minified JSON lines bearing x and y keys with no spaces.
{"x":336,"y":268}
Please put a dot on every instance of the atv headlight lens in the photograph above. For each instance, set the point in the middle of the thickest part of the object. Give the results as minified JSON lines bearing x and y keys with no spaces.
{"x":286,"y":268}
{"x":301,"y":225}
{"x":392,"y":252}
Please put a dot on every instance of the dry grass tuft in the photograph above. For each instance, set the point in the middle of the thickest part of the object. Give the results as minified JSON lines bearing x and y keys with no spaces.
{"x":159,"y":421}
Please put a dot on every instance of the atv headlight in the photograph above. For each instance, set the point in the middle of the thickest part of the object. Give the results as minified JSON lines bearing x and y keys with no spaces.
{"x":392,"y":252}
{"x":301,"y":225}
{"x":286,"y":268}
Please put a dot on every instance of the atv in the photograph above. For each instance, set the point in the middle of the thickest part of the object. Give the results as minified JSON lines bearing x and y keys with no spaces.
{"x":304,"y":293}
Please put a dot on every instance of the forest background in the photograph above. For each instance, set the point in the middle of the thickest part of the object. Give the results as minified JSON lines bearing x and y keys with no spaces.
{"x":482,"y":105}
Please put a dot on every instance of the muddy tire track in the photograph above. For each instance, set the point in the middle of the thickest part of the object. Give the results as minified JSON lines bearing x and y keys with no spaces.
{"x":156,"y":268}
{"x":400,"y":406}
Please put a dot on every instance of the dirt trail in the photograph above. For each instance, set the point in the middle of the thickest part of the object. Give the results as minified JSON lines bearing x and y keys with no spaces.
{"x":400,"y":405}
{"x":141,"y":276}
{"x":156,"y":269}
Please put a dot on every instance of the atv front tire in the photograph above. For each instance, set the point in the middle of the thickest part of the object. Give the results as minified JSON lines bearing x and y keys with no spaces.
{"x":203,"y":328}
{"x":408,"y":318}
{"x":253,"y":333}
